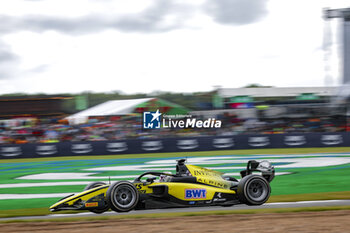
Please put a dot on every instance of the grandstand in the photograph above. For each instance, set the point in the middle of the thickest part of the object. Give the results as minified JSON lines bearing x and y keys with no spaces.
{"x":280,"y":102}
{"x":34,"y":106}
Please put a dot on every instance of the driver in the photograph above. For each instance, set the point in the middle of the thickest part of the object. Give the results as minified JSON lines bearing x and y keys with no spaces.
{"x":165,"y":178}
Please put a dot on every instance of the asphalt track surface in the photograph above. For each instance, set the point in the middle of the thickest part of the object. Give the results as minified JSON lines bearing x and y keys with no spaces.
{"x":192,"y":209}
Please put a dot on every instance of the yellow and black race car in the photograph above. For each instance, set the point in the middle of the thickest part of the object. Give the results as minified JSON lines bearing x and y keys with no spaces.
{"x":190,"y":186}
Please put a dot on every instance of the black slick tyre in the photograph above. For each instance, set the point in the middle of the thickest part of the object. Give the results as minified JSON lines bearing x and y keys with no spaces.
{"x":253,"y":190}
{"x":122,"y":196}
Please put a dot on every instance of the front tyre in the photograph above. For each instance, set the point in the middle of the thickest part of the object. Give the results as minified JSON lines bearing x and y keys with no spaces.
{"x":95,"y":185}
{"x":253,"y":190}
{"x":122,"y":196}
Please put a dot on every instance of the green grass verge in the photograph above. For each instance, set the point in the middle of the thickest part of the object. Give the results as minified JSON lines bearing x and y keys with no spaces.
{"x":196,"y":153}
{"x":186,"y":214}
{"x":277,"y":198}
{"x":312,"y":180}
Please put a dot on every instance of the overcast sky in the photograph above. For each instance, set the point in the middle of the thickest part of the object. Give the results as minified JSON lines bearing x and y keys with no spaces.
{"x":61,"y":46}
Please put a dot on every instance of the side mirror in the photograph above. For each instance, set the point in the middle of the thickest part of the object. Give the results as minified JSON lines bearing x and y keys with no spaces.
{"x":151,"y":179}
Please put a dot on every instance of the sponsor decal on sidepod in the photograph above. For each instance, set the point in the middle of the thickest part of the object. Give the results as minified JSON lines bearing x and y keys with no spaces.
{"x":195,"y":193}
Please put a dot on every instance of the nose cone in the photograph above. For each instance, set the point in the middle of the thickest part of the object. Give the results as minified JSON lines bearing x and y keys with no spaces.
{"x":54,"y":207}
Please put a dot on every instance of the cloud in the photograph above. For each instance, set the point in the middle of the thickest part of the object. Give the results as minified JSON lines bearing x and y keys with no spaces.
{"x":39,"y":68}
{"x":236,"y":12}
{"x":161,"y":16}
{"x":39,"y":23}
{"x":7,"y":56}
{"x":8,"y":61}
{"x":10,"y":64}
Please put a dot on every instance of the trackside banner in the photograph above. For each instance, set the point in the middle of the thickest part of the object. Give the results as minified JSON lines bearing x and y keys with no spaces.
{"x":137,"y":146}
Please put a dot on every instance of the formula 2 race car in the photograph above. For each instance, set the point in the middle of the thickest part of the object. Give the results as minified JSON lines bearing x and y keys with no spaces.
{"x":190,"y":186}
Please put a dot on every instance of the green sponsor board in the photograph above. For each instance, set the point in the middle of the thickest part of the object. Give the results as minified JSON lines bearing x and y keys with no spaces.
{"x":217,"y":101}
{"x":307,"y":96}
{"x":241,"y":99}
{"x":81,"y":102}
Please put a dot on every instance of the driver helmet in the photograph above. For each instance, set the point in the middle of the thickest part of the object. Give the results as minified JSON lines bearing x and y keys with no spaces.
{"x":164,"y":178}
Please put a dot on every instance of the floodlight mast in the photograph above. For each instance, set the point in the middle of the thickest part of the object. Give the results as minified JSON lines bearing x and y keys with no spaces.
{"x":336,"y":13}
{"x":343,"y":14}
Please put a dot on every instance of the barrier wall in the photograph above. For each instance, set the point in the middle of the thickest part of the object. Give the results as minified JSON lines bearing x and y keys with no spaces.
{"x":136,"y":146}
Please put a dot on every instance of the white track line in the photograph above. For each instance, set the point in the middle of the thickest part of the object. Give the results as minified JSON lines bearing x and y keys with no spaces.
{"x":31,"y":196}
{"x":303,"y":202}
{"x":25,"y":185}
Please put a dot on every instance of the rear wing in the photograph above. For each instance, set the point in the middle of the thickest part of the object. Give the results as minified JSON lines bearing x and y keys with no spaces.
{"x":265,"y":167}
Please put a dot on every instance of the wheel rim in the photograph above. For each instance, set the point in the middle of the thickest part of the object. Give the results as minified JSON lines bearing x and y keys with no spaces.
{"x":257,"y":190}
{"x":124,"y":196}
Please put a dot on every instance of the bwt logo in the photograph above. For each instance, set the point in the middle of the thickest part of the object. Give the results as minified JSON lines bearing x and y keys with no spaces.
{"x":195,"y":193}
{"x":151,"y":120}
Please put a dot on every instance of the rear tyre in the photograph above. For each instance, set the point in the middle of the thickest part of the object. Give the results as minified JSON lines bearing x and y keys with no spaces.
{"x":122,"y":196}
{"x":95,"y":185}
{"x":253,"y":190}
